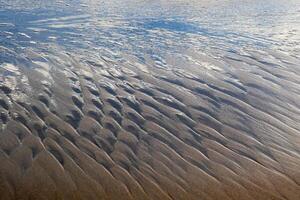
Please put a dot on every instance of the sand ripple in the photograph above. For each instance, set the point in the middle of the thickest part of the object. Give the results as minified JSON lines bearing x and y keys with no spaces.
{"x":78,"y":129}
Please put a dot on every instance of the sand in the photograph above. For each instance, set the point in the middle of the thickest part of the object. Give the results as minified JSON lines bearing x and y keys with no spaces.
{"x":88,"y":130}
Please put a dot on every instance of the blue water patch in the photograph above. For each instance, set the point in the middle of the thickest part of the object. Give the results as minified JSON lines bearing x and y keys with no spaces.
{"x":171,"y":25}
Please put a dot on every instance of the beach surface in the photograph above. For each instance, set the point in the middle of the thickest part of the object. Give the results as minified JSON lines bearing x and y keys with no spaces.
{"x":139,"y":100}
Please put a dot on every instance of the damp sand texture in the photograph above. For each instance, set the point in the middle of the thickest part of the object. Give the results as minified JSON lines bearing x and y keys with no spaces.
{"x":160,"y":109}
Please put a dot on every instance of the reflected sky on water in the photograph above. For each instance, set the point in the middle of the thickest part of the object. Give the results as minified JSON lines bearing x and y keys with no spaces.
{"x":151,"y":29}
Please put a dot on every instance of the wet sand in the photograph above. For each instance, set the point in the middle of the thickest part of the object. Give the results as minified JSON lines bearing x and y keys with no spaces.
{"x":92,"y":130}
{"x":149,"y":100}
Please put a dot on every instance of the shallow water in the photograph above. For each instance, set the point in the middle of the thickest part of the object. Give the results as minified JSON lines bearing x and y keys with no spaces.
{"x":110,"y":99}
{"x":144,"y":28}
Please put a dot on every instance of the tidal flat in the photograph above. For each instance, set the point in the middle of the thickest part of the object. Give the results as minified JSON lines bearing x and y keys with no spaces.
{"x":149,"y":100}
